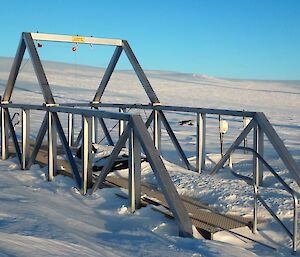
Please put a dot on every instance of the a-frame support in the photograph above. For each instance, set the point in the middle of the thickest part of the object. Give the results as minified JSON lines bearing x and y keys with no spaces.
{"x":27,"y":42}
{"x":138,"y":130}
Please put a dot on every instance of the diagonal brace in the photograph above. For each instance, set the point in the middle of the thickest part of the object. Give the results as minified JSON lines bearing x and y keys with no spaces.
{"x":67,"y":149}
{"x":111,"y":160}
{"x":39,"y":141}
{"x":235,"y":144}
{"x":14,"y":136}
{"x":175,"y":141}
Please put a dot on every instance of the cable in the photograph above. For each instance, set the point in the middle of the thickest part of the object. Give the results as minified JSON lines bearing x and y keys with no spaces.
{"x":147,"y":119}
{"x":119,"y":122}
{"x":23,"y":66}
{"x":112,"y":128}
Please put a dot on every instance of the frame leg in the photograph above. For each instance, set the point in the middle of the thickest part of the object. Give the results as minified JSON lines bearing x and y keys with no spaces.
{"x":25,"y":138}
{"x":258,"y":146}
{"x":70,"y":129}
{"x":52,"y":147}
{"x":122,"y":123}
{"x":94,"y":130}
{"x":201,"y":135}
{"x":157,"y":130}
{"x":86,"y":153}
{"x":134,"y":172}
{"x":4,"y":135}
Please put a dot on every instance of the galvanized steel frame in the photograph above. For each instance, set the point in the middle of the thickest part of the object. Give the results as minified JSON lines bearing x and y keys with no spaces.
{"x":135,"y":131}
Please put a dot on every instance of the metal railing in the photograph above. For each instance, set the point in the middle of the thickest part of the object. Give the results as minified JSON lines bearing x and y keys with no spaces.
{"x":293,"y":235}
{"x":159,"y":119}
{"x":258,"y":124}
{"x":135,"y":132}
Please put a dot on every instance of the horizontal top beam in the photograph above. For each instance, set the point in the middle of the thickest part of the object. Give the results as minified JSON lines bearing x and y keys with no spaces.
{"x":178,"y":109}
{"x":76,"y":39}
{"x":145,"y":107}
{"x":85,"y":112}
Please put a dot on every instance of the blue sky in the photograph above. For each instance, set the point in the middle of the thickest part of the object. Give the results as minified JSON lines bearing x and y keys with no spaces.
{"x":257,"y":39}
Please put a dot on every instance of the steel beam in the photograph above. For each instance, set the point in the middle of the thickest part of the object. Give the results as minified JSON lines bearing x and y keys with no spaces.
{"x":90,"y":112}
{"x":108,"y":72}
{"x":70,"y":129}
{"x":156,"y":130}
{"x":200,"y":146}
{"x":38,"y":141}
{"x":52,"y":147}
{"x":66,"y":108}
{"x":4,"y":135}
{"x":121,"y":122}
{"x":175,"y":141}
{"x":106,"y":132}
{"x":94,"y":130}
{"x":76,"y":39}
{"x":79,"y":138}
{"x":258,"y":146}
{"x":187,"y":109}
{"x":67,"y":149}
{"x":25,"y":138}
{"x":111,"y":160}
{"x":14,"y":71}
{"x":235,"y":144}
{"x":38,"y":68}
{"x":255,"y":208}
{"x":149,"y":120}
{"x":140,"y":73}
{"x":164,"y":181}
{"x":134,"y":177}
{"x":278,"y":145}
{"x":86,"y":153}
{"x":14,"y":136}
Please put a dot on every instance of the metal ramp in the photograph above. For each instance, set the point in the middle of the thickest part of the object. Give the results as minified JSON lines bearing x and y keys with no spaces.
{"x":206,"y":220}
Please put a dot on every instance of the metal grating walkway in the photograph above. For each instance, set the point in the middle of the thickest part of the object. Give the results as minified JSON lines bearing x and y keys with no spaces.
{"x":204,"y":218}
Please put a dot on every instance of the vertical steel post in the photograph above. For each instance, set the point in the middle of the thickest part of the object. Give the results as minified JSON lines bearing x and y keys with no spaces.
{"x":230,"y":164}
{"x":70,"y":129}
{"x":156,"y":130}
{"x":86,"y":154}
{"x":245,"y":140}
{"x":255,"y":179}
{"x":94,"y":129}
{"x":258,"y":146}
{"x":255,"y":209}
{"x":201,"y":137}
{"x":121,"y":122}
{"x":4,"y":134}
{"x":295,"y":225}
{"x":52,"y":147}
{"x":134,"y":172}
{"x":25,"y":138}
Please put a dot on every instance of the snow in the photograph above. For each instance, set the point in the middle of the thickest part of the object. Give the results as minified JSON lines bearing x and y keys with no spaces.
{"x":38,"y":218}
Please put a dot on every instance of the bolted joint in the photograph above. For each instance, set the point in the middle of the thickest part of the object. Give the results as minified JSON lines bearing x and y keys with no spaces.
{"x":156,"y":104}
{"x":51,"y":105}
{"x":6,"y":102}
{"x":94,"y":103}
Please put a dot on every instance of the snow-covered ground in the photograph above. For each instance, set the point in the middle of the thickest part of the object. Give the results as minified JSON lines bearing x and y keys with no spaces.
{"x":38,"y":218}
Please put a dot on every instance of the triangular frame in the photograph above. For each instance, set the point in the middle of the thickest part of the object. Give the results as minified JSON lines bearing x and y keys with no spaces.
{"x":27,"y":42}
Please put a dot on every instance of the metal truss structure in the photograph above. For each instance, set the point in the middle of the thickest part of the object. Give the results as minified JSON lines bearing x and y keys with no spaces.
{"x":132,"y":129}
